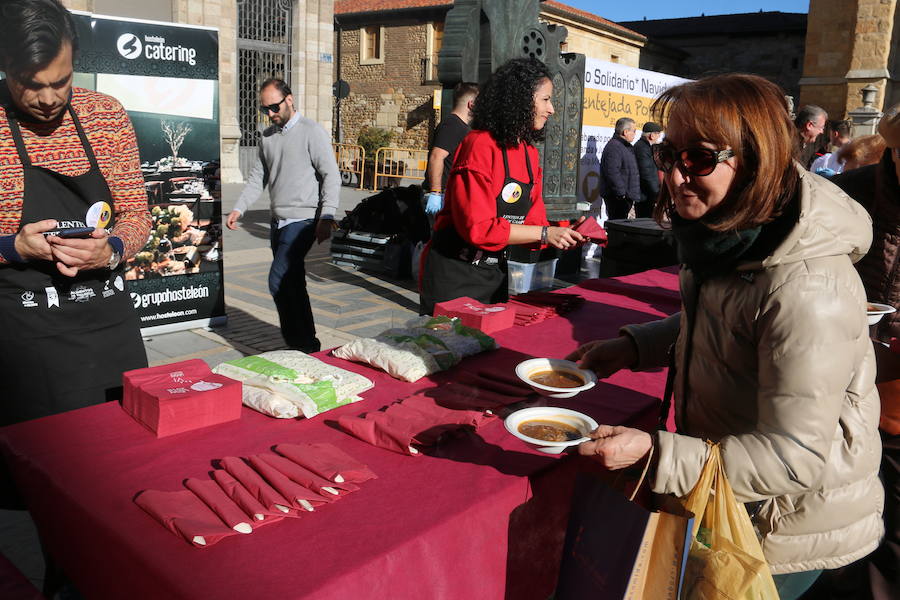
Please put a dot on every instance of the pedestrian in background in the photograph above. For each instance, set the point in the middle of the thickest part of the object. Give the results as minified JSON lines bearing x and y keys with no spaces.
{"x":620,"y":183}
{"x":810,"y":124}
{"x":296,"y":163}
{"x":651,"y":134}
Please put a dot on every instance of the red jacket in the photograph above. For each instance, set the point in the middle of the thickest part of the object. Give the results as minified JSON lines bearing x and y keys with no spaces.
{"x":470,"y":200}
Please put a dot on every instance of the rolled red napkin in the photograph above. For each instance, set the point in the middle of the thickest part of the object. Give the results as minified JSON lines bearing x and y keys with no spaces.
{"x":491,"y":382}
{"x":308,"y":479}
{"x":271,"y":498}
{"x":301,"y":497}
{"x":327,"y":461}
{"x":185,"y":515}
{"x":212,"y":495}
{"x":464,"y":396}
{"x":507,"y":379}
{"x":247,"y":501}
{"x":437,"y":414}
{"x":378,"y":432}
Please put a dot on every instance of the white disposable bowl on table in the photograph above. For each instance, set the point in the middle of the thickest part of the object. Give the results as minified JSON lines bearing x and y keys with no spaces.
{"x":580,"y":421}
{"x":527,"y":368}
{"x":880,"y":310}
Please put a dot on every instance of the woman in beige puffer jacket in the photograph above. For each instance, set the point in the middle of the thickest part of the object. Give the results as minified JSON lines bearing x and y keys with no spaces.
{"x":772,"y":355}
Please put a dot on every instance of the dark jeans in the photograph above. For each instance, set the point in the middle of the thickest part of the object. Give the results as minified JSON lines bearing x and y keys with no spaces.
{"x":287,"y":283}
{"x":617,"y":208}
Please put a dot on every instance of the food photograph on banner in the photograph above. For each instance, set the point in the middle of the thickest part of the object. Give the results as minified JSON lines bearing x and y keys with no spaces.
{"x":612,"y":91}
{"x":166,"y":77}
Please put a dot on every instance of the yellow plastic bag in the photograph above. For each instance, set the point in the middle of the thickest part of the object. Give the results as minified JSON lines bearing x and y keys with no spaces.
{"x":725,"y":561}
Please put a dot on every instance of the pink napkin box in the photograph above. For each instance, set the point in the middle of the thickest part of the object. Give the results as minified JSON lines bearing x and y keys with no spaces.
{"x":486,"y":317}
{"x":180,"y":397}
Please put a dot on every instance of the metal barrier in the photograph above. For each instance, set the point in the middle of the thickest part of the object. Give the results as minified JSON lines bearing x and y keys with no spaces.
{"x":398,"y":163}
{"x":351,"y":160}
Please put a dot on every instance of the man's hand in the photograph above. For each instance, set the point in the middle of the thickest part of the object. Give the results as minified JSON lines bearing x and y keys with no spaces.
{"x":74,"y":255}
{"x":605,"y":357}
{"x":563,"y":237}
{"x":617,"y":447}
{"x":31,"y":244}
{"x":323,"y":229}
{"x":434,"y":202}
{"x":231,"y":221}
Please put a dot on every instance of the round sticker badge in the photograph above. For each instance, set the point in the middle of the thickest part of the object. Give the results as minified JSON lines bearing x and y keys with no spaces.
{"x":98,"y":215}
{"x":511,"y":193}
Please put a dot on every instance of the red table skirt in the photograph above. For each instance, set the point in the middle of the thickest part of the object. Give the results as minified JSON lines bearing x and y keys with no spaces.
{"x":480,"y":516}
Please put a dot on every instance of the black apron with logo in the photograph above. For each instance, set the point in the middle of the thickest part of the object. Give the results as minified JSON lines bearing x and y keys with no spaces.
{"x":64,"y":341}
{"x":454,"y":268}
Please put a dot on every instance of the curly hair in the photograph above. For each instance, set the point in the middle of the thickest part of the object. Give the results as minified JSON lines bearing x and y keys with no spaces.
{"x":505,"y":106}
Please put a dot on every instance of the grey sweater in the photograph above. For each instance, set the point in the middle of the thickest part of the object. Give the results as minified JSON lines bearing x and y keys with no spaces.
{"x":299,"y":168}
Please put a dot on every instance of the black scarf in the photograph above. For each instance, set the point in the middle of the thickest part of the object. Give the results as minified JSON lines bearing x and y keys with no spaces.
{"x":710,"y":253}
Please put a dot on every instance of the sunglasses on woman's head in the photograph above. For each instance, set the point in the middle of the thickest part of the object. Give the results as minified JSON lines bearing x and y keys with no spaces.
{"x":267,"y":108}
{"x":697,"y":161}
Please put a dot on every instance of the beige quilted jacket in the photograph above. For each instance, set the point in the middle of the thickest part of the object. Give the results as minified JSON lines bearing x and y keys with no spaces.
{"x":781,"y":372}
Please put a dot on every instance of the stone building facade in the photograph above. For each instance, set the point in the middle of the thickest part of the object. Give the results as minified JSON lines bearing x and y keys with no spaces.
{"x":311,"y":43}
{"x":395,"y":90}
{"x":849,"y":46}
{"x":770,"y":44}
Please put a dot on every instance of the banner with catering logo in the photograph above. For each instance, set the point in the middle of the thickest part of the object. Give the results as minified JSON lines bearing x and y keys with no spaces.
{"x":612,"y":91}
{"x":166,"y":77}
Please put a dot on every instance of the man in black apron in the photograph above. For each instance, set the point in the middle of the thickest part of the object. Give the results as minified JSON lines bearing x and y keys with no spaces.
{"x":67,"y":325}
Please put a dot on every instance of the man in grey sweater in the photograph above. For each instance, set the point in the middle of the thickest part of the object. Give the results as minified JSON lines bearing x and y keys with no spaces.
{"x":296,"y":162}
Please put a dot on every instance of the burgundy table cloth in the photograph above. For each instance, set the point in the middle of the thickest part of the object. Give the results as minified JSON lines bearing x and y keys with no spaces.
{"x":479,"y":516}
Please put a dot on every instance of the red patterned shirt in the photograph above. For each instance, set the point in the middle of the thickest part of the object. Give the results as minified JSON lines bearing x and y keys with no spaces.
{"x":56,"y":146}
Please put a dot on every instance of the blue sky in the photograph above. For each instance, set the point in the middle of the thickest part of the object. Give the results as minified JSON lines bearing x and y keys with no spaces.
{"x":667,"y":9}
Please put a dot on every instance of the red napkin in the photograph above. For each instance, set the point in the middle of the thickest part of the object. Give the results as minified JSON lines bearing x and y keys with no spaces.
{"x":327,"y":489}
{"x":490,"y":381}
{"x":463,"y":396}
{"x":212,"y":495}
{"x":248,"y":503}
{"x":302,"y":498}
{"x":327,"y":461}
{"x":591,"y":229}
{"x":437,"y":414}
{"x":185,"y":515}
{"x":257,"y":486}
{"x":379,"y":431}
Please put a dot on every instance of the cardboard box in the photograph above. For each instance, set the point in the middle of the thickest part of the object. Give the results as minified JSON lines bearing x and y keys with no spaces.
{"x":486,"y":317}
{"x":180,"y":397}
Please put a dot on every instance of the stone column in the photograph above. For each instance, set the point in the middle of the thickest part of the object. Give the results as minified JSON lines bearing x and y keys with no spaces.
{"x":313,"y":59}
{"x":848,"y":46}
{"x":221,"y":14}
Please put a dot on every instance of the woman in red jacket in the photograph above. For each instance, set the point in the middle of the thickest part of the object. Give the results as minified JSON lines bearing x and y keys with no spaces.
{"x":493,"y":196}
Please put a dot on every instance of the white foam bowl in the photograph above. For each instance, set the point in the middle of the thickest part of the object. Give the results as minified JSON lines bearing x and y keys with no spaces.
{"x":580,"y":421}
{"x":880,"y":310}
{"x":529,"y":367}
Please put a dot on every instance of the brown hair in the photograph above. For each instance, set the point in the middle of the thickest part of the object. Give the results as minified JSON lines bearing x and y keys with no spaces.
{"x":749,"y":115}
{"x":862,"y":151}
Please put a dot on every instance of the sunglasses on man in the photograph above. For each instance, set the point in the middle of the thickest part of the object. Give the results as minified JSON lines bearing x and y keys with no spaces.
{"x":272,"y":108}
{"x":696,"y":161}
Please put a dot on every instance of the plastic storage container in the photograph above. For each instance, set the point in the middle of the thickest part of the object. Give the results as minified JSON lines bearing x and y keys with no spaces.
{"x":524,"y":277}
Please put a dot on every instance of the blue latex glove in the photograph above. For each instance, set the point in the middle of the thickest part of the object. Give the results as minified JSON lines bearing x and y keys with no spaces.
{"x":825,"y":172}
{"x":434,"y":202}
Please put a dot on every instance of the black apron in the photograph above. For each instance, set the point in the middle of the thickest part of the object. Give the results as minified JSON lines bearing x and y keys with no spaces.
{"x":454,"y":268}
{"x":64,"y":341}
